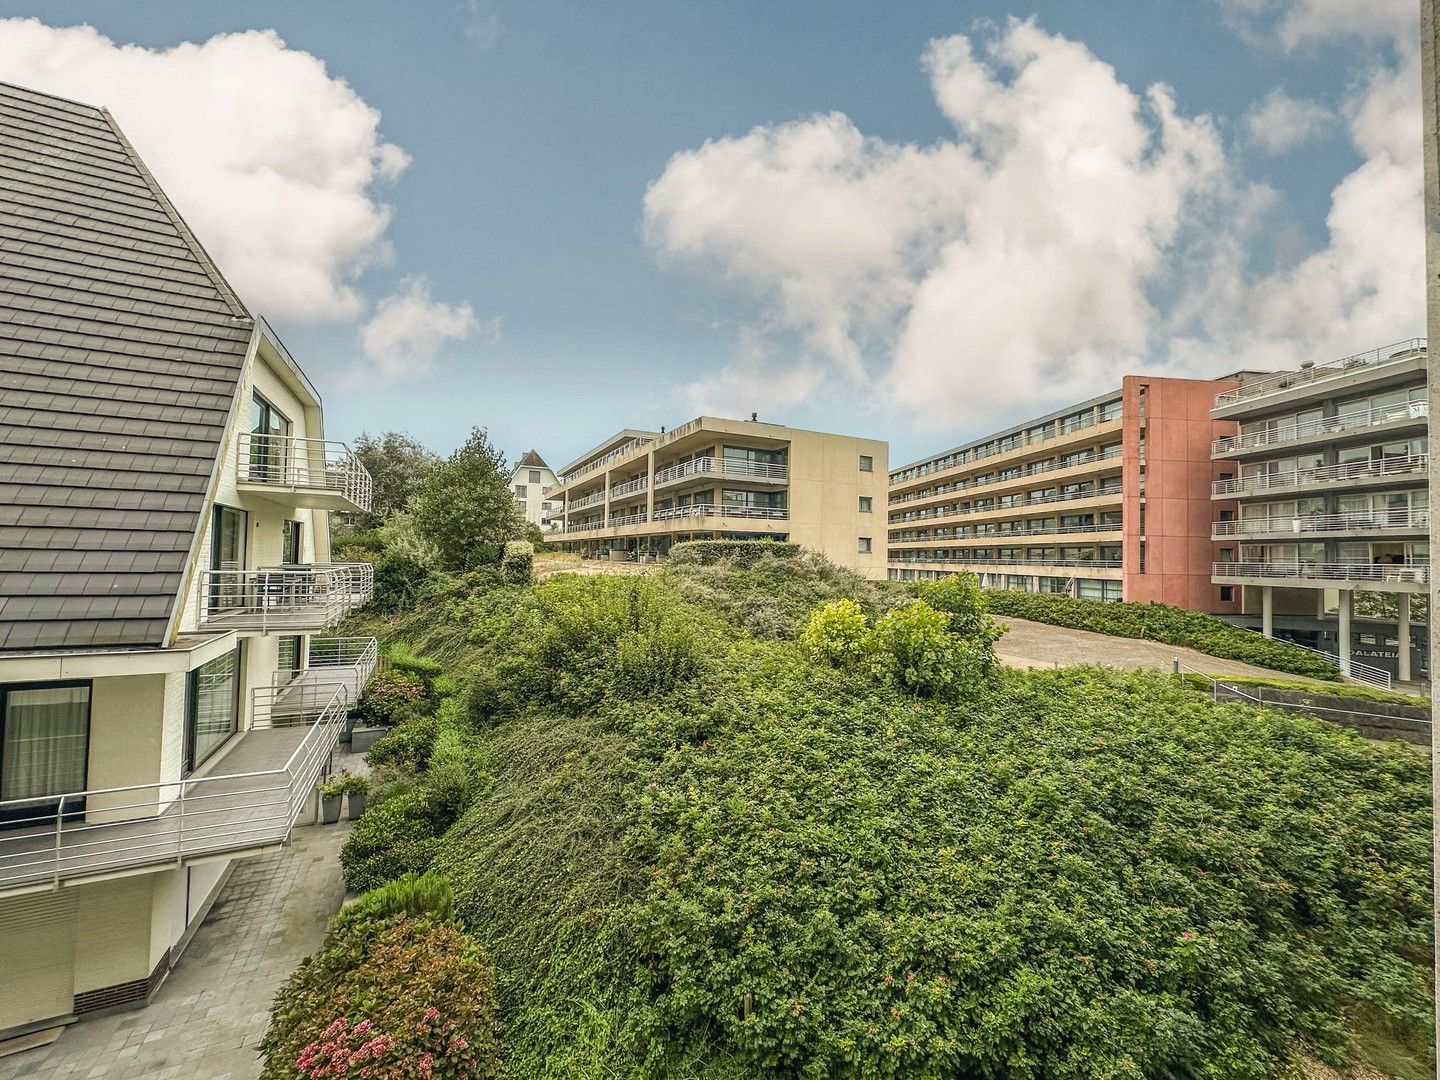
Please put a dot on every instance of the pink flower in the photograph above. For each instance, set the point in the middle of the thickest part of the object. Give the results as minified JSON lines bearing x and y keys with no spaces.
{"x":427,"y":1065}
{"x":363,"y":1027}
{"x":1187,"y":935}
{"x":431,"y":1013}
{"x":458,"y":1043}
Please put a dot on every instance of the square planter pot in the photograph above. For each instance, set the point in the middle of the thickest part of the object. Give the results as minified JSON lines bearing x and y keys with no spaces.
{"x":362,"y":738}
{"x":355,"y":805}
{"x":329,"y":809}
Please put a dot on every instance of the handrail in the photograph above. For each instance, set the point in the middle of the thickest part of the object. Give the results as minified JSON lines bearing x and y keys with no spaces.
{"x":1100,"y":564}
{"x":1018,"y":441}
{"x":1352,"y":668}
{"x":720,"y":466}
{"x":594,"y":499}
{"x":295,"y":462}
{"x":1285,"y":380}
{"x":1037,"y":469}
{"x":100,"y":830}
{"x":1044,"y":500}
{"x":283,"y":596}
{"x":1348,"y":470}
{"x":991,"y":537}
{"x":1355,"y":420}
{"x":1410,"y":572}
{"x":716,"y":510}
{"x":589,"y":526}
{"x":628,"y":519}
{"x":1416,"y":519}
{"x":619,"y":491}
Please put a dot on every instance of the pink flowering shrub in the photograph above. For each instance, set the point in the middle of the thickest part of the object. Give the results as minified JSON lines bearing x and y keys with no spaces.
{"x":408,"y":999}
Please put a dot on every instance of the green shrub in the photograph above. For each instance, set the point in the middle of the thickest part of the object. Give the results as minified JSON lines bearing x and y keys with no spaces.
{"x":740,"y":552}
{"x":837,"y":634}
{"x":407,"y":746}
{"x":396,"y":837}
{"x":517,"y":565}
{"x":912,"y":646}
{"x":401,"y":998}
{"x":1163,"y":623}
{"x":399,"y":582}
{"x":399,"y":660}
{"x":961,"y":597}
{"x":410,"y":895}
{"x":387,"y":697}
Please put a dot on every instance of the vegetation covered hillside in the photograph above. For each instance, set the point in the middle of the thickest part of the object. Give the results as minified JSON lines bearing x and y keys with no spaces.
{"x":833,"y":839}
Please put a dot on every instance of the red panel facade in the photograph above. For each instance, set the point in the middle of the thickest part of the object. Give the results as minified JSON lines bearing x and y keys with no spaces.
{"x":1167,"y":432}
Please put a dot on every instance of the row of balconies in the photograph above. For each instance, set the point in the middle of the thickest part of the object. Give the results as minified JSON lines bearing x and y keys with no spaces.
{"x":275,"y":764}
{"x":1349,"y":523}
{"x":915,"y":557}
{"x":1014,"y":508}
{"x":1313,"y":374}
{"x":675,"y":513}
{"x":1342,"y":572}
{"x":700,"y":467}
{"x":1015,"y":442}
{"x":1353,"y":473}
{"x":315,"y":473}
{"x":1323,"y":429}
{"x":1039,"y":469}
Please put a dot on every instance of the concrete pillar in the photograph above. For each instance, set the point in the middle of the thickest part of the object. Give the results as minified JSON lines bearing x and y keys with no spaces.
{"x":1346,"y":599}
{"x":1403,"y":632}
{"x":1267,"y":610}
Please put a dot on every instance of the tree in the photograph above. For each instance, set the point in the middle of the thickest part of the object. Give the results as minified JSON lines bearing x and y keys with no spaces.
{"x":397,"y":464}
{"x":465,"y":508}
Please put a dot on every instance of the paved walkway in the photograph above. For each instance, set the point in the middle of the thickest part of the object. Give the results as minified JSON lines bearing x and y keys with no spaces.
{"x":209,"y":1015}
{"x":1040,"y":645}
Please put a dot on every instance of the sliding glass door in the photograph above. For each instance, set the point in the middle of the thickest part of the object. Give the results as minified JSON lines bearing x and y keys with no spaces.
{"x":268,"y":430}
{"x":227,"y":557}
{"x":214,"y":707}
{"x":44,"y":746}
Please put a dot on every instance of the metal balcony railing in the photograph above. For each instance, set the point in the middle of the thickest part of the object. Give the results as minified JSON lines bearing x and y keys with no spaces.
{"x":714,"y":510}
{"x":719,"y":466}
{"x":1017,"y":507}
{"x":1014,"y":442}
{"x":588,"y":526}
{"x":630,"y":487}
{"x":1323,"y":474}
{"x":304,"y":467}
{"x":1356,"y":522}
{"x":283,"y":597}
{"x":1037,"y":469}
{"x":1003,"y":537}
{"x":600,"y":462}
{"x":1103,"y":564}
{"x":628,"y":519}
{"x":1355,"y":420}
{"x":1404,"y":573}
{"x":589,"y":500}
{"x":1391,"y":354}
{"x":343,"y":664}
{"x":100,"y":831}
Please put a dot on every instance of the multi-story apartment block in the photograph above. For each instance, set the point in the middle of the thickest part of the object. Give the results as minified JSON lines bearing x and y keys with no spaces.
{"x":1107,"y":499}
{"x":639,"y":492}
{"x":167,"y":697}
{"x":529,"y":481}
{"x":1322,"y":512}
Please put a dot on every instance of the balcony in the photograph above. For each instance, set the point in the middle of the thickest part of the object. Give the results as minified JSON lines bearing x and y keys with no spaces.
{"x":589,"y":526}
{"x":723,"y":467}
{"x":1325,"y":429}
{"x":1381,"y":577}
{"x":1095,"y":564}
{"x":1003,"y":538}
{"x":1356,"y":474}
{"x":765,"y":513}
{"x":335,"y":664}
{"x":631,"y":487}
{"x":313,"y":473}
{"x":283,"y":598}
{"x":589,"y":467}
{"x":589,"y":500}
{"x":1313,"y":377}
{"x":1035,"y":469}
{"x":1349,"y":523}
{"x":638,"y":518}
{"x":271,"y":776}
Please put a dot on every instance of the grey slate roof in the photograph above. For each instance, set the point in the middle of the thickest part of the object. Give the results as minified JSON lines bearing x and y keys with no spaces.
{"x":121,"y":347}
{"x":531,"y":460}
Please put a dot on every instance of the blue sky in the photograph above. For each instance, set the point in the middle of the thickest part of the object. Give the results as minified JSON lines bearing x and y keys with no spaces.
{"x":534,"y":129}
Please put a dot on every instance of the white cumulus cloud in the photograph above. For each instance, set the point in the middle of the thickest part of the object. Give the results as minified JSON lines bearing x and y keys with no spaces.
{"x":1008,"y":264}
{"x":273,"y":161}
{"x":1293,"y":23}
{"x":1279,"y":123}
{"x":409,"y":328}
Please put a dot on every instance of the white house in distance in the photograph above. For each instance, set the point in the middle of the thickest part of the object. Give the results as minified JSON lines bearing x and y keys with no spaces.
{"x":529,"y":481}
{"x":167,"y":697}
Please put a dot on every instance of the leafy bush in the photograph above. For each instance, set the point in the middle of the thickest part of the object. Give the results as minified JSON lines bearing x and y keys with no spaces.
{"x":388,"y":697}
{"x":400,"y":834}
{"x":517,"y":565}
{"x":837,"y":634}
{"x":407,"y":746}
{"x":399,"y":582}
{"x":464,"y":508}
{"x":912,"y":646}
{"x":411,"y":895}
{"x":1164,"y":623}
{"x":961,"y":597}
{"x":401,"y":998}
{"x":739,"y":552}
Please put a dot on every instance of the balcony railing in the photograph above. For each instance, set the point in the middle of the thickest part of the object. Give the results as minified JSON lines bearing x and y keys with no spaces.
{"x":1037,"y":469}
{"x":1356,"y":420}
{"x":1004,"y":537}
{"x":768,"y":513}
{"x":1102,"y":564}
{"x":335,"y":664}
{"x":1323,"y":474}
{"x":588,"y":501}
{"x":1287,"y":380}
{"x":104,"y":831}
{"x":283,"y":597}
{"x":600,"y":462}
{"x":630,"y":487}
{"x":317,"y":472}
{"x":588,"y":526}
{"x":1015,"y":442}
{"x":628,"y":519}
{"x":713,"y":466}
{"x":1350,"y":522}
{"x":1014,"y":508}
{"x":1405,"y":573}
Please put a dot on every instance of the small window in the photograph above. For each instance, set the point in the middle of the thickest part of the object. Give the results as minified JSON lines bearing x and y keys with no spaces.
{"x":520,"y":491}
{"x":864,"y":545}
{"x":865,"y":504}
{"x":1227,"y":593}
{"x":534,"y":476}
{"x":867,"y":463}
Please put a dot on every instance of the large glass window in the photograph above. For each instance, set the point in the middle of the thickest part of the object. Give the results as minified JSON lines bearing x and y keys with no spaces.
{"x":44,"y":744}
{"x":214,"y":707}
{"x":227,"y":558}
{"x":268,"y":428}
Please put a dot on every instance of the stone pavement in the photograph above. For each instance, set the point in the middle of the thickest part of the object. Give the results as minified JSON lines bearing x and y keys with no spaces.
{"x":207,"y":1018}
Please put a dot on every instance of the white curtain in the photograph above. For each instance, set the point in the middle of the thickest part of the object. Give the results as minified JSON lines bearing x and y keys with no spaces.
{"x":215,"y":713}
{"x":46,"y":731}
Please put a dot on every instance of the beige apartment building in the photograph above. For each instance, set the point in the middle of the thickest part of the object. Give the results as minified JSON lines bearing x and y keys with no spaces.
{"x":640,"y":492}
{"x":168,"y":695}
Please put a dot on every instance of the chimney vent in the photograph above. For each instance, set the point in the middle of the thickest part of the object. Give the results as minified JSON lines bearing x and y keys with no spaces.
{"x":754,"y":417}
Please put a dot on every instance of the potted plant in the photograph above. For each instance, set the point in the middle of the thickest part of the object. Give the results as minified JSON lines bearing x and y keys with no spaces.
{"x":357,"y":789}
{"x":331,"y":792}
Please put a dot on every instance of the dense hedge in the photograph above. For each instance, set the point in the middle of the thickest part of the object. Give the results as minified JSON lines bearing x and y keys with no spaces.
{"x":741,"y":552}
{"x":1163,"y":623}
